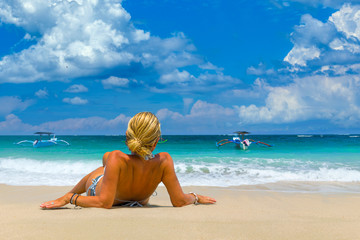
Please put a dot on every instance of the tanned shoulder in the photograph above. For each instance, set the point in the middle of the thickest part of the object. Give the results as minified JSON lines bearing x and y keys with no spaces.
{"x":118,"y":156}
{"x":165,"y":159}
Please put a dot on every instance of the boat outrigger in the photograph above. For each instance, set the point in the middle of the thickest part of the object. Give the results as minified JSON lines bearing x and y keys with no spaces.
{"x":44,"y":142}
{"x":162,"y":140}
{"x":240,"y":141}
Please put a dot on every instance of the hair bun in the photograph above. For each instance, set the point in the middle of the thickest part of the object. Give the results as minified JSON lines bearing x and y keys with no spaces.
{"x":138,"y":143}
{"x":142,"y":134}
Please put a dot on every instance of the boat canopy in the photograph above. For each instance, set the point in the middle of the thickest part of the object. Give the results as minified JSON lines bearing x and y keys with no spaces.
{"x":242,"y":132}
{"x":41,"y":133}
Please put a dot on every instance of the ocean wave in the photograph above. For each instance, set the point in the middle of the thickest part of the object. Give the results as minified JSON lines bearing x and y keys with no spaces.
{"x":237,"y":175}
{"x":225,"y":173}
{"x":24,"y":171}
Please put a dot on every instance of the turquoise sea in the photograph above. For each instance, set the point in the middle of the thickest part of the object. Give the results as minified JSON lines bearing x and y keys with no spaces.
{"x":294,"y":163}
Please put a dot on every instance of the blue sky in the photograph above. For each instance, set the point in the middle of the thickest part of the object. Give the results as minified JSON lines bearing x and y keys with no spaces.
{"x":203,"y":67}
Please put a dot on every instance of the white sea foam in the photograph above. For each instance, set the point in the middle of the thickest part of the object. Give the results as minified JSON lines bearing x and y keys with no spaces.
{"x":236,"y":175}
{"x":24,"y":171}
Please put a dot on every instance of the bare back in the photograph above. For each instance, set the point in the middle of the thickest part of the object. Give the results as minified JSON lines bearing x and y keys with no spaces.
{"x":135,"y":178}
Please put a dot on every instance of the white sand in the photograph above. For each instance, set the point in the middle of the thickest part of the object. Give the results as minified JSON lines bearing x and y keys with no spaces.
{"x":238,"y":214}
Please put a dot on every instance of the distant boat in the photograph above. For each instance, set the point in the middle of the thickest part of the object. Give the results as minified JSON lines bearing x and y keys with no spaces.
{"x":302,"y":136}
{"x":240,"y":141}
{"x":44,"y":142}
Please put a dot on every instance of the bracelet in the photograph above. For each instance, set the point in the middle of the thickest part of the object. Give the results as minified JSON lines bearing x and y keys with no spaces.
{"x":196,"y":198}
{"x":76,"y":199}
{"x":72,"y":197}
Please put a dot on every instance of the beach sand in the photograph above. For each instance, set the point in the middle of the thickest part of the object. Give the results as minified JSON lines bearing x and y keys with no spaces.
{"x":238,"y":214}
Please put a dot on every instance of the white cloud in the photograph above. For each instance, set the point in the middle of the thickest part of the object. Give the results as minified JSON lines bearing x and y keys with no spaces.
{"x":165,"y":113}
{"x":187,"y":104}
{"x":75,"y":101}
{"x":183,"y":81}
{"x":29,"y":37}
{"x":179,"y":77}
{"x":84,"y":38}
{"x":333,"y":42}
{"x":347,"y":21}
{"x":336,"y":4}
{"x":9,"y":104}
{"x":77,"y":38}
{"x":120,"y":119}
{"x":168,"y":54}
{"x":76,"y":88}
{"x":91,"y":125}
{"x":334,"y":100}
{"x":42,"y":93}
{"x":343,"y":45}
{"x":13,"y":125}
{"x":259,"y":89}
{"x":260,"y":70}
{"x":339,"y":70}
{"x":204,"y":118}
{"x":326,"y":54}
{"x":87,"y":124}
{"x":316,"y":97}
{"x":306,"y":38}
{"x":300,"y":55}
{"x":113,"y":82}
{"x":210,"y":66}
{"x":202,"y":108}
{"x":312,"y":31}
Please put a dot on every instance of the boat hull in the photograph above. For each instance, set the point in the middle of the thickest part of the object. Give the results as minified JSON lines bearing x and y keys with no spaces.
{"x":43,"y":143}
{"x":242,"y":146}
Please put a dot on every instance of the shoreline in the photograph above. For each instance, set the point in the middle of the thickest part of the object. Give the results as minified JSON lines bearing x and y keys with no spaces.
{"x":238,"y":214}
{"x":280,"y":186}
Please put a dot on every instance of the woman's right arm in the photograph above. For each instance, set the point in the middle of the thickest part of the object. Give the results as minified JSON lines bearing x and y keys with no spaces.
{"x":177,"y":196}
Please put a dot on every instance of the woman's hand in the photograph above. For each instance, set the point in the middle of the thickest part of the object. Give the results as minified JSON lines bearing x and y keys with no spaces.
{"x":205,"y":199}
{"x":62,"y":201}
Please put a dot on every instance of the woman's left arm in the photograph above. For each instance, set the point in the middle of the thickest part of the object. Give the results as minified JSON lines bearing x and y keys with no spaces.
{"x":107,"y":191}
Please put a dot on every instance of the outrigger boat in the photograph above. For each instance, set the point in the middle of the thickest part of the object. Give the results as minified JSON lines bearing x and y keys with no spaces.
{"x":240,"y":141}
{"x":45,"y":142}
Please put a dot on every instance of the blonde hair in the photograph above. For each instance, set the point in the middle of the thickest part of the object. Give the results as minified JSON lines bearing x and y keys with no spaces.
{"x":142,"y":134}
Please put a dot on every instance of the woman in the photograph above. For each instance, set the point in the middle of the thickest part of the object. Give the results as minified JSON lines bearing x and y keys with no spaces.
{"x":130,"y":179}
